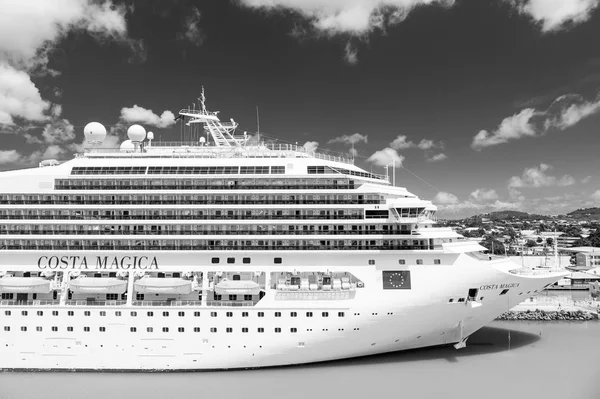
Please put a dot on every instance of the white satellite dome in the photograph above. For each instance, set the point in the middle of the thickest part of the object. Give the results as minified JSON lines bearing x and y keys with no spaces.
{"x":136,"y":133}
{"x":150,"y":136}
{"x":127,"y":146}
{"x":94,"y":132}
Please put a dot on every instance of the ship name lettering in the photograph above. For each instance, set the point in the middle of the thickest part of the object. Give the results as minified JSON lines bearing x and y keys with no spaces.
{"x":102,"y":262}
{"x":498,"y":286}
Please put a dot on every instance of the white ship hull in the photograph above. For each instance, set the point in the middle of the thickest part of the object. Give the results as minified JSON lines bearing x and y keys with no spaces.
{"x":374,"y":321}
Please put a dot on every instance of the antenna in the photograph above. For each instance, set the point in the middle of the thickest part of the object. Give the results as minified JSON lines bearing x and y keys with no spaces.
{"x":257,"y":125}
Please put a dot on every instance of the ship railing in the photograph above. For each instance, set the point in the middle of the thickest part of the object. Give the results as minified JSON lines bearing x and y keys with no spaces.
{"x":230,"y":303}
{"x":12,"y":302}
{"x":94,"y":303}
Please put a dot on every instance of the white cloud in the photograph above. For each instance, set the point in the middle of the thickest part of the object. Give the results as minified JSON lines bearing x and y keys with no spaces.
{"x":437,"y":158}
{"x":596,"y":195}
{"x":586,"y":179}
{"x":385,"y":157}
{"x":311,"y":146}
{"x":401,"y":143}
{"x":537,"y":177}
{"x":350,"y":54}
{"x":483,"y":195}
{"x":572,"y":114}
{"x":137,"y":114}
{"x":26,"y":27}
{"x":426,"y":144}
{"x":9,"y":156}
{"x":349,"y":139}
{"x":444,"y":198}
{"x":511,"y":128}
{"x":555,"y":14}
{"x":59,"y":131}
{"x":354,"y":17}
{"x":19,"y":97}
{"x":193,"y":32}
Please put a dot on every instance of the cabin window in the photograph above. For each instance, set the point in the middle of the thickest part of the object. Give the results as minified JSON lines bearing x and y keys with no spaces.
{"x":504,"y":291}
{"x":402,"y":261}
{"x":86,"y":329}
{"x":277,"y":314}
{"x":230,"y":260}
{"x":165,"y":314}
{"x":419,"y":261}
{"x":24,"y":313}
{"x":309,"y":314}
{"x":132,"y":329}
{"x":245,"y":260}
{"x":293,"y":330}
{"x":277,"y":329}
{"x":181,"y":314}
{"x":437,"y":261}
{"x":87,"y":313}
{"x":261,"y":314}
{"x":229,"y":314}
{"x":6,"y":328}
{"x":180,"y":329}
{"x":215,"y":260}
{"x":133,"y":314}
{"x":244,"y":329}
{"x":229,"y":329}
{"x":118,"y":313}
{"x":38,"y":328}
{"x":340,"y":314}
{"x":196,"y":329}
{"x":40,"y":313}
{"x":102,"y":329}
{"x":196,"y":314}
{"x":150,"y":314}
{"x":7,"y":312}
{"x":261,"y":329}
{"x":70,"y":329}
{"x":277,"y":260}
{"x":244,"y":314}
{"x":149,"y":329}
{"x":325,"y":314}
{"x":293,"y":314}
{"x":371,"y":261}
{"x":213,"y":329}
{"x":165,"y":329}
{"x":23,"y":328}
{"x":102,"y":313}
{"x":213,"y":314}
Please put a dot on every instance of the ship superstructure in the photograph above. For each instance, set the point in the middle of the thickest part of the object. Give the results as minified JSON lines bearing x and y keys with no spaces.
{"x":224,"y":251}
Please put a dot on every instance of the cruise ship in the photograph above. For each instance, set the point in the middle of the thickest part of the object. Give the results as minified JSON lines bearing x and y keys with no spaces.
{"x":225,"y":251}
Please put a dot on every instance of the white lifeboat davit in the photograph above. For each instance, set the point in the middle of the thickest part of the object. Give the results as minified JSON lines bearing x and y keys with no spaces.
{"x":158,"y":285}
{"x":237,"y":287}
{"x":98,"y":285}
{"x":36,"y":285}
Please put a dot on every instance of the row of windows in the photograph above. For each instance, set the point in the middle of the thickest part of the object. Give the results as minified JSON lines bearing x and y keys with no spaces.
{"x":172,"y":170}
{"x":181,"y":214}
{"x":150,"y":313}
{"x":189,"y":199}
{"x":164,"y":329}
{"x":318,"y":170}
{"x":216,"y":245}
{"x":203,"y":229}
{"x":204,"y":184}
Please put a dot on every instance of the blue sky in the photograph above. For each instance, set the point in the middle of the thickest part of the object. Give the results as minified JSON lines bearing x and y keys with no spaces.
{"x":484,"y":105}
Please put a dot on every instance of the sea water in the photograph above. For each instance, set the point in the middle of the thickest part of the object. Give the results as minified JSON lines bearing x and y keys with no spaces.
{"x":507,"y":360}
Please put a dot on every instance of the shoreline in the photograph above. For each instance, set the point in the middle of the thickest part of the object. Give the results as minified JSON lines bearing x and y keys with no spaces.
{"x":557,"y":314}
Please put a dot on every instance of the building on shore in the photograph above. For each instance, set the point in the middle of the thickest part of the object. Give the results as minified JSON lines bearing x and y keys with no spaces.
{"x":585,"y":257}
{"x":575,"y":281}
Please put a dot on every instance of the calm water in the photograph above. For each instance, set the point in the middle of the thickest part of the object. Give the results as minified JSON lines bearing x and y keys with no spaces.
{"x":504,"y":360}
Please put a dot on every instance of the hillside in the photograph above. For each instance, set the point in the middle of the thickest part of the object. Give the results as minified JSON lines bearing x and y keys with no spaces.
{"x":585,"y":213}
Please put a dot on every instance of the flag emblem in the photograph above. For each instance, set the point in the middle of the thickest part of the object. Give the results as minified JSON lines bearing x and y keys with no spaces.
{"x":396,"y":280}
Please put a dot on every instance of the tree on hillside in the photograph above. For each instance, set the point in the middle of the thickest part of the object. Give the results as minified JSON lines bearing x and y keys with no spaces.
{"x":549,"y":241}
{"x":539,"y":240}
{"x":494,"y":246}
{"x":593,"y":240}
{"x":530,"y":244}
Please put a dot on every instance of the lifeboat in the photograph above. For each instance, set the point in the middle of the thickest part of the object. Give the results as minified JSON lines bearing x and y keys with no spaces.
{"x":237,"y":287}
{"x":36,"y":285}
{"x":98,"y":285}
{"x":158,"y":285}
